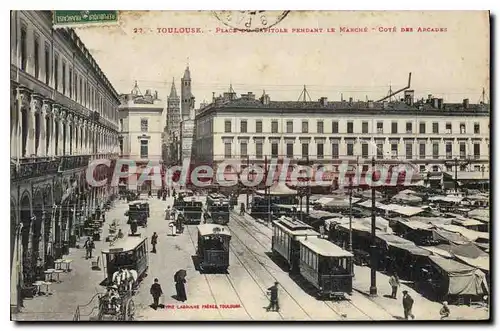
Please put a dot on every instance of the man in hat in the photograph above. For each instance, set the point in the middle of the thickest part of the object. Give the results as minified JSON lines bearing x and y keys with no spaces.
{"x":445,"y":310}
{"x":156,"y":293}
{"x":273,"y":300}
{"x":407,"y":305}
{"x":89,"y":246}
{"x":113,"y":297}
{"x":154,"y":241}
{"x":394,"y":282}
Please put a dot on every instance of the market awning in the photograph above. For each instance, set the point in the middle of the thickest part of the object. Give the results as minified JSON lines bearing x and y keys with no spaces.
{"x":405,"y":210}
{"x":415,"y":225}
{"x":437,"y":251}
{"x":482,"y":262}
{"x":450,"y":237}
{"x":467,"y":233}
{"x":279,"y":189}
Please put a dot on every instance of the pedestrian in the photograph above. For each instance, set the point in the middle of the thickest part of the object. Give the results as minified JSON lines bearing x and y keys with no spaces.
{"x":158,"y":194}
{"x":150,"y":194}
{"x":154,"y":241}
{"x":156,"y":292}
{"x":120,"y":234}
{"x":407,"y":305}
{"x":167,"y":213}
{"x":394,"y":282}
{"x":89,"y":246}
{"x":103,"y":217}
{"x":242,"y":209}
{"x":445,"y":311}
{"x":273,"y":300}
{"x":180,"y":288}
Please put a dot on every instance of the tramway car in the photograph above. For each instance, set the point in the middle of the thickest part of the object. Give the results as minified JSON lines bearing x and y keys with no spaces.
{"x":213,"y":247}
{"x":326,"y":266}
{"x":129,"y":253}
{"x":286,"y":233}
{"x":192,"y":210}
{"x":218,"y":208}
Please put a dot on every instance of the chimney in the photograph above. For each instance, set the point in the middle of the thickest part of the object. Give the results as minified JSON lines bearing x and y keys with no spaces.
{"x":323,"y":101}
{"x":466,"y":103}
{"x":148,"y":92}
{"x":435,"y":102}
{"x":370,"y":104}
{"x":409,"y":94}
{"x":213,"y":96}
{"x":350,"y":99}
{"x":440,"y":103}
{"x":384,"y":104}
{"x":156,"y":95}
{"x":265,"y":99}
{"x":429,"y":98}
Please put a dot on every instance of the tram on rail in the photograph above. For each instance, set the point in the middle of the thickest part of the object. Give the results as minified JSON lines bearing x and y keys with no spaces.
{"x":213,"y":247}
{"x":193,"y":210}
{"x":218,"y":207}
{"x":320,"y":262}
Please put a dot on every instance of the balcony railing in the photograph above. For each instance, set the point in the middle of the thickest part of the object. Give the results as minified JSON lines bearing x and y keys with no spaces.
{"x":73,"y":162}
{"x":33,"y":167}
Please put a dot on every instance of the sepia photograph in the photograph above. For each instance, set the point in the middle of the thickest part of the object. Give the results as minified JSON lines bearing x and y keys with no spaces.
{"x":250,"y":165}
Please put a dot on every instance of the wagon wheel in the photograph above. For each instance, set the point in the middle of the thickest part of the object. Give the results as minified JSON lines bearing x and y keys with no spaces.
{"x":129,"y":310}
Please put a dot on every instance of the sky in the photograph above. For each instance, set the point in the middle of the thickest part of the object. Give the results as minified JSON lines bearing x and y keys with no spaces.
{"x":453,"y":64}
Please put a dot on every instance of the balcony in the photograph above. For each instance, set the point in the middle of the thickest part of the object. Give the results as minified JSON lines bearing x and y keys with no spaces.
{"x":33,"y":167}
{"x":73,"y":162}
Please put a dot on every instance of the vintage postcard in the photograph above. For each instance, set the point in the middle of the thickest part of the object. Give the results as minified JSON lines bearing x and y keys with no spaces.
{"x":250,"y":165}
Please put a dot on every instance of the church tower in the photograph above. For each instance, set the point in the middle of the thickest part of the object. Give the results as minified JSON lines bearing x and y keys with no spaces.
{"x":187,"y":101}
{"x":173,"y":109}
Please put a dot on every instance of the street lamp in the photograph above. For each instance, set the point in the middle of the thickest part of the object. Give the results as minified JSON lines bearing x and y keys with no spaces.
{"x":373,"y":252}
{"x":350,"y":216}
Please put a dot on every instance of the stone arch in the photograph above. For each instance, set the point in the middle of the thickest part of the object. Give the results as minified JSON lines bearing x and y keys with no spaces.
{"x":25,"y":219}
{"x":38,"y":213}
{"x":13,"y":228}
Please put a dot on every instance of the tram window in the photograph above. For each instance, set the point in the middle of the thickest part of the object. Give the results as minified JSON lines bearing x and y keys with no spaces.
{"x":315,"y":261}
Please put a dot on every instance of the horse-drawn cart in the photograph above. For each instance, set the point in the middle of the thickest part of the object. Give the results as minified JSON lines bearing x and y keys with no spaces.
{"x":119,"y":307}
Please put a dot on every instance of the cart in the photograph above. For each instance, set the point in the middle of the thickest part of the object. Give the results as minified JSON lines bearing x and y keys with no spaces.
{"x":122,"y":309}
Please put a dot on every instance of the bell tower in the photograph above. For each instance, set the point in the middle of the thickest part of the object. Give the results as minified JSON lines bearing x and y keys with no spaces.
{"x":187,"y":98}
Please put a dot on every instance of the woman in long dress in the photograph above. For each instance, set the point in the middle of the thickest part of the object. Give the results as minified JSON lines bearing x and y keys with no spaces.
{"x":180,"y":288}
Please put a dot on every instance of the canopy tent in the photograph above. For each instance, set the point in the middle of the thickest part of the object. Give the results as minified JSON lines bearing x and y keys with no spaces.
{"x":415,"y":225}
{"x":431,"y":220}
{"x":380,"y":223}
{"x":398,"y":242}
{"x":279,"y":189}
{"x":468,"y":250}
{"x":482,"y":262}
{"x":463,"y":221}
{"x":449,"y":237}
{"x":467,"y":233}
{"x":367,"y":194}
{"x":463,"y":279}
{"x":406,"y":198}
{"x":481,"y":214}
{"x":407,"y":191}
{"x":438,"y":251}
{"x":405,"y":210}
{"x":448,"y":198}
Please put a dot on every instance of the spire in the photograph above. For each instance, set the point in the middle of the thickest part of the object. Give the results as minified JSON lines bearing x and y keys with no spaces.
{"x":173,"y":91}
{"x":187,"y":74}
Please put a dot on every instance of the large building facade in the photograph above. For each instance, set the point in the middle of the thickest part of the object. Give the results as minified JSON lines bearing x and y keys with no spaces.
{"x":63,"y":115}
{"x":141,"y":130}
{"x":428,"y":133}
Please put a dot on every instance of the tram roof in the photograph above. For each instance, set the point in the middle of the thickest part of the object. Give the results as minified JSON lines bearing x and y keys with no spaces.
{"x":296,"y":228}
{"x":208,"y":229}
{"x":324,"y":247}
{"x":126,"y":244}
{"x":137,"y":202}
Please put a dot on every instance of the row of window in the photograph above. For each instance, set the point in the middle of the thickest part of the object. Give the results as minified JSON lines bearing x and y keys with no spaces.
{"x":144,"y":124}
{"x":72,"y":84}
{"x":320,"y":127}
{"x":320,"y":150}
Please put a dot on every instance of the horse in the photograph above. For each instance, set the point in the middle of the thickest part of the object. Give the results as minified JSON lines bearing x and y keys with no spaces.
{"x":125,"y":279}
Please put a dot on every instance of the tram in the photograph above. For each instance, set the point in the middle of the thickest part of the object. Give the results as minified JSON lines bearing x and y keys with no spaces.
{"x":285,"y":240}
{"x":326,"y":266}
{"x":129,"y":253}
{"x":213,"y":247}
{"x":193,"y":210}
{"x":217,"y":208}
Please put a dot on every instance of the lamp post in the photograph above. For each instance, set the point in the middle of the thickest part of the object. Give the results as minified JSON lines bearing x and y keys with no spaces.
{"x":373,"y":252}
{"x":350,"y":216}
{"x":248,"y":175}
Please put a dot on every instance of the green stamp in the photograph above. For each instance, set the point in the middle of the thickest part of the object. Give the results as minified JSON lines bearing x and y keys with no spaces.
{"x":74,"y":17}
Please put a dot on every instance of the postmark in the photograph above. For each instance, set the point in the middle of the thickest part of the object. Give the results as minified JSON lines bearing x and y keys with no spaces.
{"x":250,"y":20}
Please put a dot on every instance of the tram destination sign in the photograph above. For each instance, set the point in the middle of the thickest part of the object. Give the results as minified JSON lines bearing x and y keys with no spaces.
{"x":62,"y":18}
